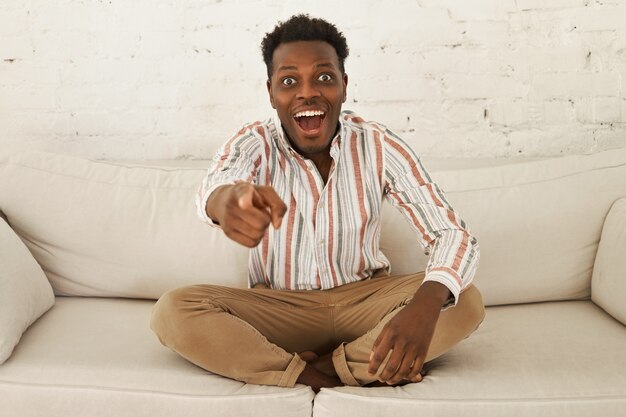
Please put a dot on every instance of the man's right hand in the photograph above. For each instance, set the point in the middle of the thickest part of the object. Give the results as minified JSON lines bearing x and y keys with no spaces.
{"x":245,"y":211}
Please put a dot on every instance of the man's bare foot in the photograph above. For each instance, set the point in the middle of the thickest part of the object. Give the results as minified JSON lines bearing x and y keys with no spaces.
{"x":316,"y":379}
{"x":308,"y":356}
{"x":322,"y":363}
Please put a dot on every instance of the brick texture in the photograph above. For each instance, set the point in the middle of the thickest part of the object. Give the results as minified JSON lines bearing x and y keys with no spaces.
{"x":164,"y":79}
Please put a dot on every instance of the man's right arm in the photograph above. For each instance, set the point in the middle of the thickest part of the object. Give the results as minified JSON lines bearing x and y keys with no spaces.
{"x":228,"y":197}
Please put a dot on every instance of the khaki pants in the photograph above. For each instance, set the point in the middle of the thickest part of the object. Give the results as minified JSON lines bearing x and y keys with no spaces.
{"x":253,"y":335}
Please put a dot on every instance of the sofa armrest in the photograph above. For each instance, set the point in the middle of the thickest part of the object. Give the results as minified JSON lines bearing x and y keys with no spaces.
{"x":608,"y":282}
{"x":25,"y":293}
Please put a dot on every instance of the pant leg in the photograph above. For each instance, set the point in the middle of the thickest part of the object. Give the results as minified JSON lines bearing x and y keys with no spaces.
{"x":351,"y":358}
{"x":250,"y":335}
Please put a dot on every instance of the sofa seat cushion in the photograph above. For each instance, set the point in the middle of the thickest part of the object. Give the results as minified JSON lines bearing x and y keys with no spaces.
{"x":548,"y":359}
{"x":97,"y":357}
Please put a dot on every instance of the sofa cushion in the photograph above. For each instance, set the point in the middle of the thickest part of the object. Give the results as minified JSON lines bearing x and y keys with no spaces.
{"x":97,"y":357}
{"x":608,"y":285}
{"x":25,"y":293}
{"x":106,"y":229}
{"x":538,"y":224}
{"x":547,"y":359}
{"x":91,"y":357}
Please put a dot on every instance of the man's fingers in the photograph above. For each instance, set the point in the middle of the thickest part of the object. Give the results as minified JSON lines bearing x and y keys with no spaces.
{"x":248,"y":211}
{"x":253,"y":211}
{"x":275,"y":204}
{"x":241,"y":238}
{"x":259,"y":201}
{"x":417,"y":378}
{"x":416,"y":371}
{"x":246,"y":197}
{"x":392,"y":366}
{"x":380,"y":350}
{"x":374,"y":363}
{"x":403,"y":370}
{"x":265,"y":199}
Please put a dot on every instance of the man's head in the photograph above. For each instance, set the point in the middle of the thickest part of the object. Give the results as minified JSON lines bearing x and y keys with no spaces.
{"x":306,"y":80}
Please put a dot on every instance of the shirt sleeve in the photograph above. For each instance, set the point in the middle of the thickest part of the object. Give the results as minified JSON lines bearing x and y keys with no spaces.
{"x":237,"y":160}
{"x":454,"y":252}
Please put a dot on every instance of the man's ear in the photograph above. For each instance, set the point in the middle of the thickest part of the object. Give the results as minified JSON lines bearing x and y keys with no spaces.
{"x":345,"y":87}
{"x":268,"y":83}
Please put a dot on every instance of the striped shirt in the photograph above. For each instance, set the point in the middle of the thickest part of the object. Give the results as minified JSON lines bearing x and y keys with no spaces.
{"x":330,"y":233}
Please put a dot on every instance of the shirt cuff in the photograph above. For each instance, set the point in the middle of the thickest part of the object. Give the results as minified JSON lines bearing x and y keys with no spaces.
{"x":201,"y":202}
{"x":450,"y":281}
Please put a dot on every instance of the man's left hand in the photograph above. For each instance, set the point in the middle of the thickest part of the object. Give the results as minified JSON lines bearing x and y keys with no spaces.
{"x":408,"y":335}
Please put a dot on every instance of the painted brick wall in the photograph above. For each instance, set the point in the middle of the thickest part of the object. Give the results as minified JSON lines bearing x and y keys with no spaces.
{"x":164,"y":79}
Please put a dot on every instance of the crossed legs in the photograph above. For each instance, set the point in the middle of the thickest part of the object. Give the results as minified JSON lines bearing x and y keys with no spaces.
{"x":254,"y":335}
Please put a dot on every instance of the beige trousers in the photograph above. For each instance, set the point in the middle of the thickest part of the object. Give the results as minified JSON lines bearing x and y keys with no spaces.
{"x":253,"y":335}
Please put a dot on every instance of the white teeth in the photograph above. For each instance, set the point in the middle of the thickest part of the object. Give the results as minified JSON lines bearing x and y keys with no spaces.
{"x":309,"y":113}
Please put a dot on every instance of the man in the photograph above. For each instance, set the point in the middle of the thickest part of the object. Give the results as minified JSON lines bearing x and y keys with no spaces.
{"x":304,"y":190}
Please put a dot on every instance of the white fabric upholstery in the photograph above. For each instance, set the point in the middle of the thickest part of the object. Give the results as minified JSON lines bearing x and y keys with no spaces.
{"x":92,"y":357}
{"x":25,"y":293}
{"x":608,"y":286}
{"x":102,"y":229}
{"x":538,"y":224}
{"x":546,"y":359}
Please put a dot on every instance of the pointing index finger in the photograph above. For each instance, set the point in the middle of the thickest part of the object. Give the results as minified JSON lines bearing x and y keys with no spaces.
{"x":276,"y":206}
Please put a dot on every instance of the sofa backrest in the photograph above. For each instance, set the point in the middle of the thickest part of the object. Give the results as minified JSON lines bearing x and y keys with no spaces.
{"x":112,"y":229}
{"x":106,"y":229}
{"x":538,"y":224}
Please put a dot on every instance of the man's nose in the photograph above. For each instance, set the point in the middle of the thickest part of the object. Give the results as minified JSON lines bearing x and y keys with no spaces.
{"x":308,"y":90}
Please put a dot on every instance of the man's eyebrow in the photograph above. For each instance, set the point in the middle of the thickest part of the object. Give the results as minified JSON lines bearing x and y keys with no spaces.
{"x":294,"y":68}
{"x":287,"y":68}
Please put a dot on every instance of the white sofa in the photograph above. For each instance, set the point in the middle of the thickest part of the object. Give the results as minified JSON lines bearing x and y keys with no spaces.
{"x":109,"y":238}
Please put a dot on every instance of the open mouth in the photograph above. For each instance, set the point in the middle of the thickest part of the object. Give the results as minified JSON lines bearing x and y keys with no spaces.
{"x":310,"y":120}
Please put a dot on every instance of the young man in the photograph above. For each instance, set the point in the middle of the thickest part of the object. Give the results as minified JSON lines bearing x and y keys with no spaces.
{"x":304,"y":190}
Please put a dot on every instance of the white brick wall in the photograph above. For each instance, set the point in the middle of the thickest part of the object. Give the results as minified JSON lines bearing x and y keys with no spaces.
{"x":175,"y":78}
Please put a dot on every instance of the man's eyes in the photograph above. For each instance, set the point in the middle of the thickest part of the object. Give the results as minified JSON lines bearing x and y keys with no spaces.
{"x":289,"y":81}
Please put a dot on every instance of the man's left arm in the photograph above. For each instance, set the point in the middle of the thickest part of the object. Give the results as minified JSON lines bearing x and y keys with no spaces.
{"x":454,"y":255}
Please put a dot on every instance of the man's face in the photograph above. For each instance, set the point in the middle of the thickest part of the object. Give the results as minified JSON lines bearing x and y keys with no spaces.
{"x":307,"y":89}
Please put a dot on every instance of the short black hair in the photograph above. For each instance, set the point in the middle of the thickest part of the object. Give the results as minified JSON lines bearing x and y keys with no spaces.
{"x":302,"y":27}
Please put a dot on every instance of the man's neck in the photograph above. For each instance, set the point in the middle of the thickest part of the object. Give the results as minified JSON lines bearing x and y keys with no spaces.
{"x":323,"y":162}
